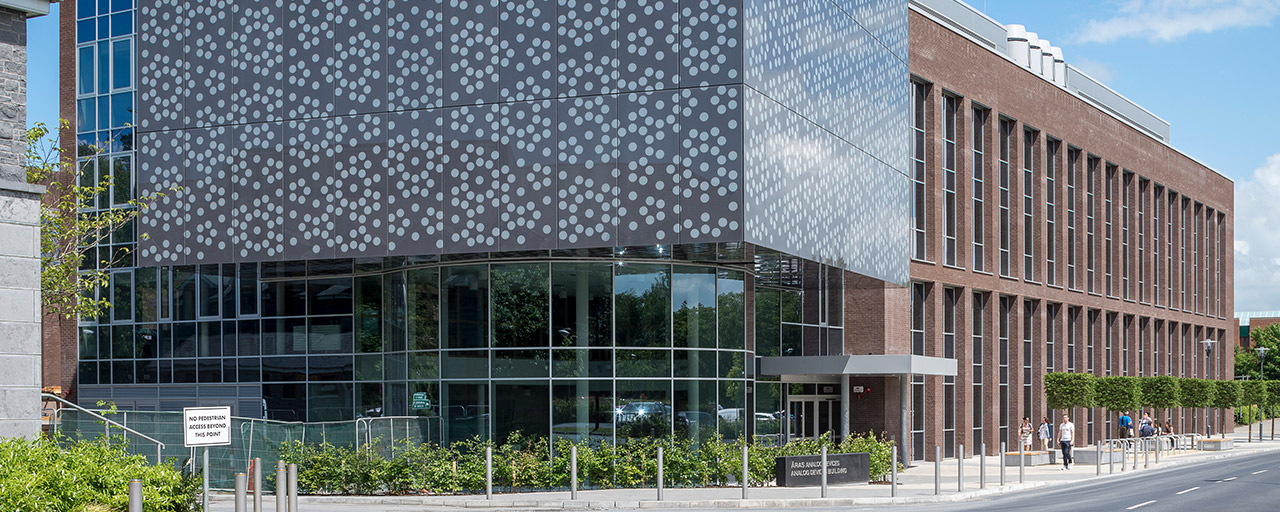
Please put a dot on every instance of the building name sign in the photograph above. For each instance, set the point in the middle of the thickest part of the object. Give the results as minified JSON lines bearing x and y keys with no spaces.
{"x":806,"y":470}
{"x":206,"y":426}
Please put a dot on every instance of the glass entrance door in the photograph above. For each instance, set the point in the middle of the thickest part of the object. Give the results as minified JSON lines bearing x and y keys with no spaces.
{"x":811,"y":416}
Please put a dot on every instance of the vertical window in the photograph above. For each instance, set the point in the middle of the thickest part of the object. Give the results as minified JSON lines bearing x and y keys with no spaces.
{"x":1217,"y":267}
{"x":1206,"y":246}
{"x":918,"y":192}
{"x":1028,"y":330}
{"x":1028,"y":205}
{"x":1006,"y":305}
{"x":949,"y":382}
{"x":1051,"y":213}
{"x":977,"y":344}
{"x":1109,"y":248}
{"x":1126,"y":202}
{"x":1197,"y":233}
{"x":1073,"y":331}
{"x":1182,"y":258}
{"x":979,"y":190}
{"x":1051,"y":324}
{"x":949,"y":104}
{"x":1090,"y":211}
{"x":1111,"y":334}
{"x":1142,"y":240}
{"x":1169,"y":213}
{"x":918,"y":302}
{"x":1006,"y":133}
{"x":1156,"y":228}
{"x":1073,"y":164}
{"x":1091,"y":336}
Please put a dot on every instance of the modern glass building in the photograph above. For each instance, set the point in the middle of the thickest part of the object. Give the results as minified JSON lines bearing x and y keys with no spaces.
{"x":589,"y":219}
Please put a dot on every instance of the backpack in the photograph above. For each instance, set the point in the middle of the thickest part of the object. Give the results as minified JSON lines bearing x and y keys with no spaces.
{"x":1147,"y":430}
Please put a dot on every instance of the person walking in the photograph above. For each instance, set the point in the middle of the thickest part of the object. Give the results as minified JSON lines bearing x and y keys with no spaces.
{"x":1126,"y":425}
{"x":1024,"y":433}
{"x":1046,"y":434}
{"x":1066,"y":435}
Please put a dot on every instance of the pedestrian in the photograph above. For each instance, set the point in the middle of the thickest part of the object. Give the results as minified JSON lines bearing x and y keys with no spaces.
{"x":1168,"y":428}
{"x":1146,"y":427}
{"x":1066,"y":434}
{"x":1046,"y":433}
{"x":1126,"y":425}
{"x":1024,"y":434}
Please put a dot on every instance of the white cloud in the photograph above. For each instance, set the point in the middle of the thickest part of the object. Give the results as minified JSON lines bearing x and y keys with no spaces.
{"x":1167,"y":20}
{"x":1257,"y":243}
{"x":1095,"y":69}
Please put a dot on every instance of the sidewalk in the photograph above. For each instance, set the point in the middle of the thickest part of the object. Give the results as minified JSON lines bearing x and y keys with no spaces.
{"x":915,"y":486}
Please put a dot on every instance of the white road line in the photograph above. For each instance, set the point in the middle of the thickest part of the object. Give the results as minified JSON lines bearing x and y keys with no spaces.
{"x":1187,"y":490}
{"x":1258,"y":472}
{"x":1228,"y":479}
{"x":1141,"y":505}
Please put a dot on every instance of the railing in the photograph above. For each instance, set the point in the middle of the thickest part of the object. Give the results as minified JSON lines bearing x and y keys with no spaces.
{"x":107,"y":423}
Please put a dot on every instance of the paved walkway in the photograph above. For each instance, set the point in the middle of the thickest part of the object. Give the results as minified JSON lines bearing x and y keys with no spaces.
{"x":915,"y":486}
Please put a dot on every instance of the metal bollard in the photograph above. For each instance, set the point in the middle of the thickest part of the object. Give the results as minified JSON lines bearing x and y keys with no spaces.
{"x":659,"y":473}
{"x":573,"y":473}
{"x":893,"y":473}
{"x":1097,"y":458}
{"x":1002,"y":468}
{"x":824,"y":471}
{"x":1135,"y":454}
{"x":257,"y":484}
{"x":1146,"y":454}
{"x":282,"y":488}
{"x":135,"y":495}
{"x":1022,"y":462}
{"x":960,"y":468}
{"x":293,"y":487}
{"x":982,"y":467}
{"x":1159,"y":442}
{"x":746,"y":477}
{"x":488,"y":472}
{"x":937,"y":470}
{"x":205,"y":476}
{"x":242,"y":487}
{"x":1111,"y":456}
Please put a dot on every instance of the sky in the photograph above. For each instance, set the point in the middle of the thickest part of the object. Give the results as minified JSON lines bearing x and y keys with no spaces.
{"x":1208,"y":67}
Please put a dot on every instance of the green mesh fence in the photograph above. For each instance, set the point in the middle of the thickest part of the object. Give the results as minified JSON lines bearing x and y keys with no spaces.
{"x":250,"y":438}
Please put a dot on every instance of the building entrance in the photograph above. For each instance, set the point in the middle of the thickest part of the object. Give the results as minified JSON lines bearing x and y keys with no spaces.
{"x":812,"y":415}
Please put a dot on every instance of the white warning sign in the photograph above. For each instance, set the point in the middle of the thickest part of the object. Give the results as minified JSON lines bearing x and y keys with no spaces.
{"x":206,"y":426}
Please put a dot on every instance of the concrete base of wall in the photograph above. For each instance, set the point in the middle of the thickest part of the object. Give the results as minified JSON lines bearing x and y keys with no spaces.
{"x":1036,"y":458}
{"x":1090,"y":455}
{"x":1216,"y":445}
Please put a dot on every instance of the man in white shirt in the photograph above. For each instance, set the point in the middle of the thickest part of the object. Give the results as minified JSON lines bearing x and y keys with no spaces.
{"x":1066,"y":434}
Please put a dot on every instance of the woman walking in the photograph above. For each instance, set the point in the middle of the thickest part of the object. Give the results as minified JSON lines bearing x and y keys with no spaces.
{"x":1024,"y":433}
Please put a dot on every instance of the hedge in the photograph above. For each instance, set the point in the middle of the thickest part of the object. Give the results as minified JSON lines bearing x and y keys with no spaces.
{"x":1226,"y":394}
{"x":1196,"y":392}
{"x":1161,"y":391}
{"x":530,"y":464}
{"x":1067,"y":390}
{"x":1117,"y":393}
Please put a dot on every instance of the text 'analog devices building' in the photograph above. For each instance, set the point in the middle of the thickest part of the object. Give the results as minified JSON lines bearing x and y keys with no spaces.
{"x":610,"y":219}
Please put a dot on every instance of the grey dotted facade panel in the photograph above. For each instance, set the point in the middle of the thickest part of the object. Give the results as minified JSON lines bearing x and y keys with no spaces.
{"x":343,"y":128}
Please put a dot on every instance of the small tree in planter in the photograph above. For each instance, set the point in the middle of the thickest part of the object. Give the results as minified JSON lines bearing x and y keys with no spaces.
{"x":1254,"y":393}
{"x":1273,"y":400}
{"x":1116,"y":393}
{"x":1196,"y":393}
{"x":1226,"y":394}
{"x":1160,"y":392}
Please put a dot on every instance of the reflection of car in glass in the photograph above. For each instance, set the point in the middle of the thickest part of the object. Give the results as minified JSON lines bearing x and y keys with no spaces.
{"x":636,"y":410}
{"x":732,"y":414}
{"x":696,"y":418}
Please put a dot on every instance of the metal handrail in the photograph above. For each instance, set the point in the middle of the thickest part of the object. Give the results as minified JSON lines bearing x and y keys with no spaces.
{"x":109,"y":421}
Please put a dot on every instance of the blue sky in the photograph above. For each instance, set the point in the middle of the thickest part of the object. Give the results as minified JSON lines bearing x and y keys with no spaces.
{"x":1206,"y":66}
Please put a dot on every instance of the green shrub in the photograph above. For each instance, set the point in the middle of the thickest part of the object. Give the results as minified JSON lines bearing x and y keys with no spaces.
{"x":1253,"y":392}
{"x":1117,"y":393}
{"x":1196,"y":392}
{"x":38,"y":475}
{"x":1273,"y":393}
{"x":1161,"y":391}
{"x":1067,"y":390}
{"x":1248,"y":414}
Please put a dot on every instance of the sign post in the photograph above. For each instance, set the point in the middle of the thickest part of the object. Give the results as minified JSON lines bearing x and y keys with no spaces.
{"x":205,"y":427}
{"x":420,"y":401}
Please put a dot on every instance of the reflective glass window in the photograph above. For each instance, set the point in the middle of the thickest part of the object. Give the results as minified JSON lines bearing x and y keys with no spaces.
{"x":210,"y":370}
{"x":643,"y":408}
{"x":209,"y":280}
{"x":284,"y":369}
{"x":145,"y":341}
{"x":284,"y":298}
{"x":693,"y":306}
{"x":122,"y":342}
{"x":581,"y":304}
{"x":250,"y":369}
{"x":521,"y":406}
{"x":87,"y":373}
{"x":464,"y":410}
{"x":184,"y":293}
{"x":733,"y":398}
{"x":694,"y":409}
{"x":121,"y":109}
{"x":644,"y":363}
{"x":330,"y":401}
{"x":582,"y":410}
{"x":88,"y":342}
{"x":122,"y":372}
{"x":210,"y":339}
{"x":285,"y":402}
{"x":369,"y":367}
{"x":643,"y":305}
{"x":731,"y":307}
{"x":424,"y":365}
{"x":184,"y":371}
{"x":144,"y":304}
{"x":368,"y":399}
{"x":393,"y":312}
{"x":284,"y":336}
{"x":423,"y":298}
{"x":121,"y":63}
{"x":521,"y":363}
{"x":329,"y":296}
{"x":521,"y":307}
{"x":330,"y":368}
{"x":733,"y":365}
{"x":248,"y":338}
{"x":695,"y":363}
{"x":464,"y":306}
{"x":329,"y":335}
{"x":582,"y":363}
{"x":465,"y":364}
{"x":84,"y":69}
{"x":767,"y":328}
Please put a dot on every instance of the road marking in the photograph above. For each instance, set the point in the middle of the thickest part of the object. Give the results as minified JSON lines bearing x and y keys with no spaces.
{"x":1227,"y":479}
{"x":1143,"y":504}
{"x":1258,"y":472}
{"x":1187,"y":490}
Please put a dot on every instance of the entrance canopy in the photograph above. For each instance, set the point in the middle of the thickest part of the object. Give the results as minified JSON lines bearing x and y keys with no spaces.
{"x":830,"y":368}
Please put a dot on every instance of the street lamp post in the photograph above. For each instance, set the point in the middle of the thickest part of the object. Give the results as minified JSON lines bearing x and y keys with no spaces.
{"x":1262,"y":355}
{"x":1208,"y":348}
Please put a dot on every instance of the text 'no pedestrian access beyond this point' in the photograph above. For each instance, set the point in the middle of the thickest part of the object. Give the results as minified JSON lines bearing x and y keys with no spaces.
{"x":206,"y":426}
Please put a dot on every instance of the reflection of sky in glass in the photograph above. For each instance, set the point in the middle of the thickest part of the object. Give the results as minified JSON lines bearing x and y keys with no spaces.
{"x":693,"y":287}
{"x":635,"y":280}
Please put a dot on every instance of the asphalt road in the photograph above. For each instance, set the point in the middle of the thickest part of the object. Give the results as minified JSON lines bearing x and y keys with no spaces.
{"x":1243,"y":483}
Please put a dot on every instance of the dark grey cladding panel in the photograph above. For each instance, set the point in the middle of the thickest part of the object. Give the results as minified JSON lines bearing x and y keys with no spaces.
{"x":415,"y":53}
{"x":472,"y":161}
{"x":587,"y":141}
{"x":160,"y":169}
{"x":208,"y":70}
{"x":257,"y":61}
{"x":648,"y":168}
{"x":359,"y":186}
{"x":207,"y":193}
{"x":648,"y":44}
{"x":527,"y":176}
{"x":162,"y":87}
{"x":309,"y":60}
{"x":587,"y":47}
{"x":471,"y":52}
{"x":415,"y":177}
{"x":711,"y":43}
{"x":257,"y":191}
{"x":527,"y":50}
{"x":360,"y":56}
{"x":711,"y":197}
{"x":309,"y":194}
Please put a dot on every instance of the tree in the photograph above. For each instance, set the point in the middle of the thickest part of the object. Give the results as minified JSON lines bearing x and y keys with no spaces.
{"x":80,"y":214}
{"x":1226,"y":394}
{"x":1116,"y":393}
{"x":1273,"y":400}
{"x":1160,"y":392}
{"x":1254,"y":393}
{"x":1247,"y":358}
{"x":1068,"y":390}
{"x":1196,"y":393}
